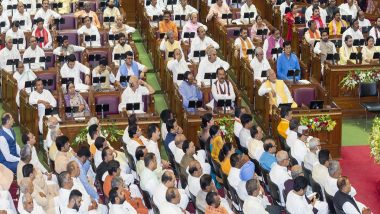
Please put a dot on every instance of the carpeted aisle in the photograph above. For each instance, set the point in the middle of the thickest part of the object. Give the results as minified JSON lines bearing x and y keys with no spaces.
{"x":364,"y":175}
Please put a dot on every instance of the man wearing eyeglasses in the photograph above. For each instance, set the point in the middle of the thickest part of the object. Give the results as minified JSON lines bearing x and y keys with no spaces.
{"x":259,"y":64}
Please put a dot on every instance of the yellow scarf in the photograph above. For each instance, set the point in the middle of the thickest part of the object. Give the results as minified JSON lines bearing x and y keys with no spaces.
{"x":280,"y":85}
{"x":170,"y":48}
{"x":244,"y":47}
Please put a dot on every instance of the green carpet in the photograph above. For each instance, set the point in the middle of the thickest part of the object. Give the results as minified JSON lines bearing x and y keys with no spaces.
{"x":354,"y":132}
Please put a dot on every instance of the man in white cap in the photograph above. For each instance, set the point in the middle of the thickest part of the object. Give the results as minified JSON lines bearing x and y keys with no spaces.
{"x":299,"y":149}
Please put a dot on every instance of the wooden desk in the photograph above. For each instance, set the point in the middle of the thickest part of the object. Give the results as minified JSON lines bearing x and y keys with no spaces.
{"x":71,"y":128}
{"x":346,"y":99}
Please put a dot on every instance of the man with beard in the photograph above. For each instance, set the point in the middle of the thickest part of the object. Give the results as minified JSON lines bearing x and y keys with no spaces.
{"x":75,"y":200}
{"x":120,"y":48}
{"x":118,"y":202}
{"x":243,"y":44}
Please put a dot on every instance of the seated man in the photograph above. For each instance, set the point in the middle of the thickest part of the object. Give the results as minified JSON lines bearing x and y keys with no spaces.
{"x":64,"y":153}
{"x":102,"y":70}
{"x":343,"y":202}
{"x":46,"y":14}
{"x":285,"y":4}
{"x":346,"y":50}
{"x":312,"y":35}
{"x":350,"y":8}
{"x":210,"y":65}
{"x":214,"y":203}
{"x":283,"y":126}
{"x":217,"y":10}
{"x":120,"y":27}
{"x":154,"y":9}
{"x":375,"y":31}
{"x":336,"y":24}
{"x":42,"y":32}
{"x":222,"y":89}
{"x":309,"y":11}
{"x":43,"y":99}
{"x":72,"y":69}
{"x":255,"y":144}
{"x":316,"y":17}
{"x":9,"y":53}
{"x":271,"y":42}
{"x":201,"y":43}
{"x":66,"y":48}
{"x":169,"y":44}
{"x":195,"y":173}
{"x":243,"y":43}
{"x":277,"y":89}
{"x":363,"y":22}
{"x":167,"y":25}
{"x":86,"y":12}
{"x":292,"y":132}
{"x":121,"y":48}
{"x":189,"y":91}
{"x":324,"y":47}
{"x":110,"y":11}
{"x":311,"y":158}
{"x":130,"y":68}
{"x":287,"y":61}
{"x":16,"y":33}
{"x":191,"y":26}
{"x":279,"y":172}
{"x":118,"y":203}
{"x":177,"y":65}
{"x":183,"y":9}
{"x":9,"y":149}
{"x":148,"y":179}
{"x":268,"y":158}
{"x":256,"y":201}
{"x":248,"y":7}
{"x":34,"y":51}
{"x":21,"y":76}
{"x":335,"y":172}
{"x":133,"y":94}
{"x":353,"y":31}
{"x":299,"y":148}
{"x":207,"y":185}
{"x":89,"y":29}
{"x":168,"y":180}
{"x":259,"y":64}
{"x":320,"y":170}
{"x":173,"y":199}
{"x":4,"y":18}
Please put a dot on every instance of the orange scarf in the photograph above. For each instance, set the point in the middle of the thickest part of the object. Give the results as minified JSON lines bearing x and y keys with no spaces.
{"x":244,"y":47}
{"x":138,"y":140}
{"x":315,"y":35}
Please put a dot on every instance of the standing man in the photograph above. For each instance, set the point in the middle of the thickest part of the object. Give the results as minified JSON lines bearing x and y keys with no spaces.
{"x":9,"y":149}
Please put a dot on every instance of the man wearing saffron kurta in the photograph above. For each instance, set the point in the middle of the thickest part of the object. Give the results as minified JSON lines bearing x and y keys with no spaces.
{"x":312,"y":35}
{"x":167,"y":25}
{"x":87,"y":12}
{"x":244,"y":43}
{"x":277,"y":90}
{"x":283,"y":126}
{"x":287,"y":61}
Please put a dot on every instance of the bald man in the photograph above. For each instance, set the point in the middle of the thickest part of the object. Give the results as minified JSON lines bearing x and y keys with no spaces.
{"x":278,"y":91}
{"x":279,"y":172}
{"x":259,"y":64}
{"x":134,"y":93}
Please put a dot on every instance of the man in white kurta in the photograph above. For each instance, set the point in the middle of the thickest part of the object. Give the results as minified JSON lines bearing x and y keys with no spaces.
{"x":279,"y":172}
{"x":148,"y":178}
{"x":66,"y":48}
{"x":168,"y":180}
{"x":222,"y":89}
{"x":89,"y":29}
{"x":299,"y":149}
{"x":21,"y":76}
{"x":248,"y":7}
{"x":4,"y":18}
{"x":134,"y":93}
{"x":9,"y":53}
{"x":210,"y":65}
{"x":353,"y":31}
{"x":46,"y":14}
{"x":178,"y":65}
{"x":43,"y":98}
{"x":72,"y":69}
{"x":6,"y":3}
{"x":34,"y":51}
{"x":16,"y":33}
{"x":22,"y":15}
{"x":375,"y":31}
{"x":200,"y":43}
{"x":120,"y":48}
{"x":259,"y":64}
{"x":154,"y":9}
{"x":349,"y":9}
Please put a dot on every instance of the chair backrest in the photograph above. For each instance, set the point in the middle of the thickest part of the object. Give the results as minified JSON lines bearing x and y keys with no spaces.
{"x":330,"y":203}
{"x":274,"y":192}
{"x":182,"y":176}
{"x":235,"y":198}
{"x":131,"y":161}
{"x":112,"y":100}
{"x":217,"y":168}
{"x":52,"y":61}
{"x":146,"y":198}
{"x":304,"y":96}
{"x":70,"y":22}
{"x":265,"y":174}
{"x":368,"y":89}
{"x":257,"y":167}
{"x":72,"y":36}
{"x":283,"y":143}
{"x":154,"y":206}
{"x":316,"y":187}
{"x":307,"y":173}
{"x":47,"y":76}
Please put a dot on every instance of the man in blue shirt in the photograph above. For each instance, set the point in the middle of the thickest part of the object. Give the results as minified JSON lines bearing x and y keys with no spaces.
{"x":173,"y":129}
{"x":287,"y":61}
{"x":189,"y":91}
{"x":268,"y":158}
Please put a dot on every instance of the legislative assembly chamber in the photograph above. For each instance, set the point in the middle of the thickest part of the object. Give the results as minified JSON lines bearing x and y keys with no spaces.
{"x":190,"y":106}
